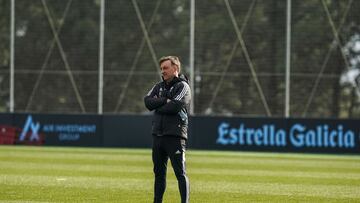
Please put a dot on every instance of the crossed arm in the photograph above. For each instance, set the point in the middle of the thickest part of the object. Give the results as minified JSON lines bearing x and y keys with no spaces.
{"x":165,"y":105}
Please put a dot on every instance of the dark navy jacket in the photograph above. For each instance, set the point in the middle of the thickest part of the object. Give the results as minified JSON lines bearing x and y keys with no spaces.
{"x":170,"y":118}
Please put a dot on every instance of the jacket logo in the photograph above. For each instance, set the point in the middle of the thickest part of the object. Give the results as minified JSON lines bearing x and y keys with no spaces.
{"x":160,"y":91}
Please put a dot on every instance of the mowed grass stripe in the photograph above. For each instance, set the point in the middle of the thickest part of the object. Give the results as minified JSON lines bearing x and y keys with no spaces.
{"x":146,"y":168}
{"x":270,"y":165}
{"x":194,"y":153}
{"x":71,"y":150}
{"x":39,"y":193}
{"x":55,"y":157}
{"x":114,"y":195}
{"x":78,"y":181}
{"x":328,"y":191}
{"x":310,"y":161}
{"x":233,"y":177}
{"x":224,"y":156}
{"x":12,"y":165}
{"x":65,"y":156}
{"x":243,"y":178}
{"x":277,"y":161}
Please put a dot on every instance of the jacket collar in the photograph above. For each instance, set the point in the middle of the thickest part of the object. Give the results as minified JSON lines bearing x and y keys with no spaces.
{"x":181,"y":77}
{"x":175,"y":80}
{"x":171,"y":83}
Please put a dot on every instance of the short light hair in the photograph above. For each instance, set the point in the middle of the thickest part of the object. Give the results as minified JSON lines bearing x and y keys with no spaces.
{"x":174,"y":61}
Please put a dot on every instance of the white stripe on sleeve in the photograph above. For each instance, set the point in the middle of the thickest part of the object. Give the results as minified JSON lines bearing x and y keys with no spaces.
{"x":183,"y":92}
{"x":148,"y":94}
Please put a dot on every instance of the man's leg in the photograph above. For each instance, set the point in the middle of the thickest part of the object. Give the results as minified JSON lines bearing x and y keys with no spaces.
{"x":159,"y":158}
{"x":177,"y":158}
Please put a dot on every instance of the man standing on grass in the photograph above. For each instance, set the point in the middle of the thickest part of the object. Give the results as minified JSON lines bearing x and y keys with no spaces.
{"x":170,"y":98}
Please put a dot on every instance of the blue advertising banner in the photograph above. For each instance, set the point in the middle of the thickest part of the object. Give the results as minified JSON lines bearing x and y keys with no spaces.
{"x":127,"y":131}
{"x":58,"y":129}
{"x":211,"y":133}
{"x":281,"y":135}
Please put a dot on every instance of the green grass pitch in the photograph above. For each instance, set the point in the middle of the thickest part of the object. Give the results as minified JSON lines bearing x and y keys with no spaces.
{"x":57,"y":174}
